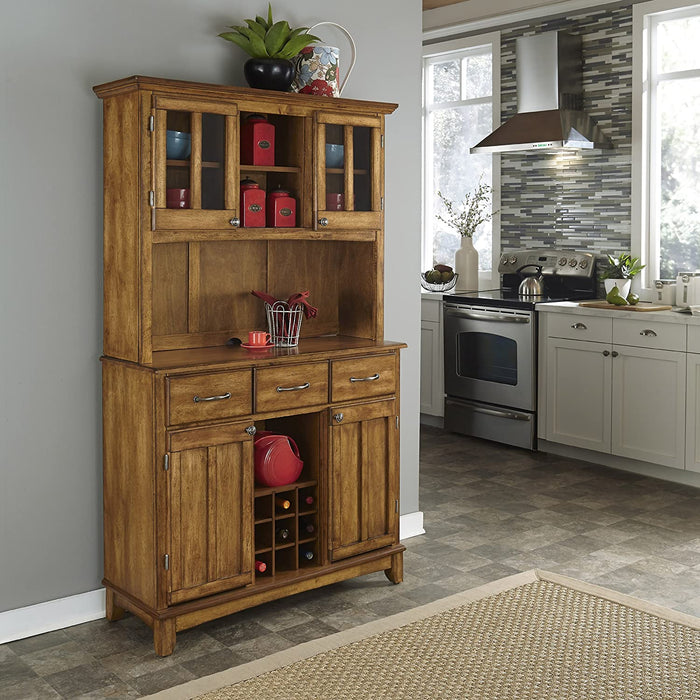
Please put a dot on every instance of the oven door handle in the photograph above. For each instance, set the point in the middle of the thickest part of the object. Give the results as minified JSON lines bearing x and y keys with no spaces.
{"x":485,"y":316}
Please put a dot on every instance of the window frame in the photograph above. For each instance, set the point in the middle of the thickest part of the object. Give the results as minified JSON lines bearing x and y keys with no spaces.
{"x":436,"y":53}
{"x":645,"y":239}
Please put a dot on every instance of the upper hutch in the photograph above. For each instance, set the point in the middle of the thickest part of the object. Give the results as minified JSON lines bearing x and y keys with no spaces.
{"x":187,"y":530}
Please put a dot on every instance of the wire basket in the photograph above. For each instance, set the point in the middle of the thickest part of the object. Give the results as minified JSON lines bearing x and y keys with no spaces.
{"x":438,"y":287}
{"x":284,"y":323}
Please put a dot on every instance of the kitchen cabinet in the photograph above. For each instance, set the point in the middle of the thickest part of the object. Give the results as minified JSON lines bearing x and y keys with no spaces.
{"x":188,"y":534}
{"x":432,"y":376}
{"x":692,"y":427}
{"x":616,"y":385}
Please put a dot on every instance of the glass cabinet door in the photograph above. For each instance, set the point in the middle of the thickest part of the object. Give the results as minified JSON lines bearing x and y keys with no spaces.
{"x":195,"y":156}
{"x":349,"y":163}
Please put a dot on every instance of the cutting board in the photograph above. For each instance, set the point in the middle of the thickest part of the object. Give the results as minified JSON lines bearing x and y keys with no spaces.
{"x":642,"y":306}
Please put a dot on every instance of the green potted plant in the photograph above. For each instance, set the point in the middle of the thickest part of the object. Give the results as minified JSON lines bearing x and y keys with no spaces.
{"x":618,"y":272}
{"x":271,"y":46}
{"x":465,"y":220}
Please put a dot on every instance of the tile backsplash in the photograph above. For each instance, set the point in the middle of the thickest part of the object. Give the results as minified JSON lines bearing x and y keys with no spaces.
{"x":581,"y":200}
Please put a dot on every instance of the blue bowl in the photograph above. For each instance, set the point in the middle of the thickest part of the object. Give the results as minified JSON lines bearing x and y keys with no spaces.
{"x":178,"y":144}
{"x":335,"y":155}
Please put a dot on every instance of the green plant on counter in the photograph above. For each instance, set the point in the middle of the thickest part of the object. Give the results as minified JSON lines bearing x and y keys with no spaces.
{"x":623,"y":267}
{"x":471,"y":214}
{"x":263,"y":38}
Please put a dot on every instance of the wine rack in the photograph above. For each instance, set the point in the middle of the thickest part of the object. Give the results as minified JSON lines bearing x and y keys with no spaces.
{"x":285,"y":535}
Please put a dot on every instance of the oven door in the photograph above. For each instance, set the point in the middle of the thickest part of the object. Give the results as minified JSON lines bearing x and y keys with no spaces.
{"x":490,"y":355}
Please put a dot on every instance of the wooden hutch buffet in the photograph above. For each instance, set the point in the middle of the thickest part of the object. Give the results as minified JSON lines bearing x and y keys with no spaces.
{"x":184,"y":521}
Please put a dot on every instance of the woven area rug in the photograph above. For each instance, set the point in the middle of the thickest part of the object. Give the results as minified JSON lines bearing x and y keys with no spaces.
{"x":535,"y":635}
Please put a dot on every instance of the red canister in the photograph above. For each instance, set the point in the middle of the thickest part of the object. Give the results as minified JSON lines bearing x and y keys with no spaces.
{"x":281,"y":209}
{"x":257,"y":141}
{"x":252,"y":204}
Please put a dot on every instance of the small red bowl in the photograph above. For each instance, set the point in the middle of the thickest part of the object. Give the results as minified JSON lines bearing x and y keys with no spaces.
{"x":177,"y":198}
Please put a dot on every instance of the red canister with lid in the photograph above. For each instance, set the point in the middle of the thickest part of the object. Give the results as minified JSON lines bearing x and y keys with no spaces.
{"x":281,"y":209}
{"x":257,"y":141}
{"x":252,"y":204}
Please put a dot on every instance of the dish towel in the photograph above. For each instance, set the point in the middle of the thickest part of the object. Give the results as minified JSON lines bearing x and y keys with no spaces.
{"x":298,"y":298}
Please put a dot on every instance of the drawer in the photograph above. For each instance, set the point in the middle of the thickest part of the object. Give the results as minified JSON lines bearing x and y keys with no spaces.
{"x":430,"y":309}
{"x":693,"y":338}
{"x":647,"y":334}
{"x":211,"y":396}
{"x":580,"y":327}
{"x":291,"y":386}
{"x":363,"y":377}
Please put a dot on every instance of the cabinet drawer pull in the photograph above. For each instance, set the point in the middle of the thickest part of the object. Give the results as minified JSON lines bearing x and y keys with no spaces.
{"x":648,"y":332}
{"x":294,"y":388}
{"x":222,"y":397}
{"x":373,"y":378}
{"x":323,"y":221}
{"x":580,"y":327}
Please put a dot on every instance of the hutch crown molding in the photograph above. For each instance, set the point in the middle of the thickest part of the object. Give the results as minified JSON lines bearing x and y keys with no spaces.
{"x":187,"y":530}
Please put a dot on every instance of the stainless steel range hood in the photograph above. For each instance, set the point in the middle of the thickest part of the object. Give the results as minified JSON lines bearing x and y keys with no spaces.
{"x":548,"y":71}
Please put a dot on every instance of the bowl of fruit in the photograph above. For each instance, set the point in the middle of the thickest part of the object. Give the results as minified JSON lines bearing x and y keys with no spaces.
{"x":441,"y":278}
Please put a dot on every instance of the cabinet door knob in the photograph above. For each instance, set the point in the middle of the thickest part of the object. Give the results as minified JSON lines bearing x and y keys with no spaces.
{"x":648,"y":332}
{"x":580,"y":327}
{"x":606,"y":353}
{"x":251,"y":430}
{"x":235,"y":222}
{"x":615,"y":353}
{"x":323,"y":221}
{"x":338,"y":417}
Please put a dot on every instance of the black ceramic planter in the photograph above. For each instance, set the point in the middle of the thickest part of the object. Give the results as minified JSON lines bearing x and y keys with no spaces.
{"x":269,"y":73}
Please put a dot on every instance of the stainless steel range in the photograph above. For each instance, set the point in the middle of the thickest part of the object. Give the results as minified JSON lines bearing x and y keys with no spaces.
{"x":491,"y":343}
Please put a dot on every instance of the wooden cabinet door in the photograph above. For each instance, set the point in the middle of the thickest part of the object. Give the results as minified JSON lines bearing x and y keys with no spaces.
{"x":211,"y":505}
{"x":209,"y":172}
{"x":364,"y":511}
{"x":692,"y":412}
{"x":579,"y":377}
{"x":349,"y":190}
{"x":648,"y":405}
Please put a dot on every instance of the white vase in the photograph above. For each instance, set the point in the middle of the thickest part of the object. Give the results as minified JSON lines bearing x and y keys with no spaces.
{"x":467,"y":266}
{"x":623,"y":286}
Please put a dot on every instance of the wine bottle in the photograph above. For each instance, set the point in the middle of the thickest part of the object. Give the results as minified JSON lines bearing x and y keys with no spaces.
{"x":306,"y":554}
{"x":283,"y":503}
{"x":260,"y":566}
{"x":309,"y":500}
{"x":283,"y":534}
{"x":306,"y":526}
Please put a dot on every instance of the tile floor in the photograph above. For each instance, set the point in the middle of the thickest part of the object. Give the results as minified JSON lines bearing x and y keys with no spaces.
{"x":490,"y":511}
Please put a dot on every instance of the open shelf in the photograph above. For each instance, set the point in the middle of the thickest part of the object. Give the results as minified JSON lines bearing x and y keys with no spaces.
{"x":187,"y":163}
{"x":269,"y":168}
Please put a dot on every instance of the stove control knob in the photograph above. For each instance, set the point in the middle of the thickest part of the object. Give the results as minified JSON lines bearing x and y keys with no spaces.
{"x":512,"y":259}
{"x":572,"y":262}
{"x":562,"y":262}
{"x":583,"y":264}
{"x":504,"y":259}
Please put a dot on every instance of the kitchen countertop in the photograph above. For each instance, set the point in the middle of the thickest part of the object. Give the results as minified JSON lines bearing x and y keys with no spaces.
{"x":568,"y":307}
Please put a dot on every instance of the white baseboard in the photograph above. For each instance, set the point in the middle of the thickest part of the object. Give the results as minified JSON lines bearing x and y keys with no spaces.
{"x":84,"y":607}
{"x":411,"y":525}
{"x":52,"y":615}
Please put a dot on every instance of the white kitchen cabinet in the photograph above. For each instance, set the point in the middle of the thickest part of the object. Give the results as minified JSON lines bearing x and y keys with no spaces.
{"x":692,"y":414}
{"x":648,"y":405}
{"x":579,"y":392}
{"x":432,"y":380}
{"x":621,"y":393}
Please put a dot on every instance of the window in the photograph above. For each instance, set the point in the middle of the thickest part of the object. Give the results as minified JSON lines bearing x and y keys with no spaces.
{"x":666,"y":158}
{"x":460,"y":107}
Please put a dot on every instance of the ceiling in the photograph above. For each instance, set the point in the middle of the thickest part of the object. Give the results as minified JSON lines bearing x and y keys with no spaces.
{"x":431,"y":4}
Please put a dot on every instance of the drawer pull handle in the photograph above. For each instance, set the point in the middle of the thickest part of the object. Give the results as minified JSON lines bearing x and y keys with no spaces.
{"x":306,"y":385}
{"x":580,"y":327}
{"x":373,"y":378}
{"x":222,"y":397}
{"x":648,"y":332}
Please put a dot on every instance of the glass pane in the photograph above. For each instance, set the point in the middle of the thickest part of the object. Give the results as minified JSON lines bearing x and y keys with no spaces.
{"x":457,"y":172}
{"x":178,"y":148}
{"x":362,"y":179}
{"x":213,"y":133}
{"x":477,"y":76}
{"x":445,"y":81}
{"x":335,"y":168}
{"x":679,"y":112}
{"x":678,"y":44}
{"x":487,"y":357}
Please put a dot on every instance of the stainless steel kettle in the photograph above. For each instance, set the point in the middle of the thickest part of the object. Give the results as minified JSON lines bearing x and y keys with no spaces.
{"x":532,"y":285}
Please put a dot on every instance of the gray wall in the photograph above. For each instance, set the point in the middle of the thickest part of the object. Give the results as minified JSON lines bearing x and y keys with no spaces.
{"x":51,"y":54}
